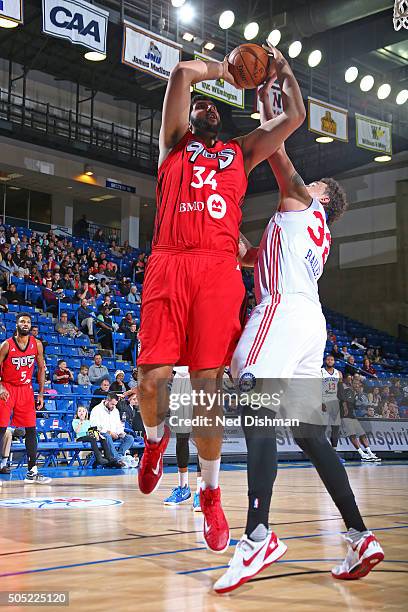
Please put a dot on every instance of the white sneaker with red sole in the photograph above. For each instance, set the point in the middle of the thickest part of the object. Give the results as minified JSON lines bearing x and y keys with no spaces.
{"x":361,"y":558}
{"x":249,"y":559}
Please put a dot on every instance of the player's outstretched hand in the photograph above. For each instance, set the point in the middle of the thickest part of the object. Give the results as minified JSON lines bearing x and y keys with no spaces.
{"x":4,"y":394}
{"x":263,"y":91}
{"x":275,"y":57}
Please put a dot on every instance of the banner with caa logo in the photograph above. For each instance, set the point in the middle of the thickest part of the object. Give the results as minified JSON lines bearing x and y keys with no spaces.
{"x":373,"y":134}
{"x":149,"y":52}
{"x":12,"y":9}
{"x":78,"y":21}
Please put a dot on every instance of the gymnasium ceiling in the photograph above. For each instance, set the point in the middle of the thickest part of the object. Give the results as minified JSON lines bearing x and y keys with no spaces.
{"x":347,"y":32}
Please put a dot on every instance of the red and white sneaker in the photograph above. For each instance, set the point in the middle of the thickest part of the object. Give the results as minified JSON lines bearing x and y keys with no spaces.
{"x":361,"y":558}
{"x":216,"y":529}
{"x":151,"y":465}
{"x":249,"y":559}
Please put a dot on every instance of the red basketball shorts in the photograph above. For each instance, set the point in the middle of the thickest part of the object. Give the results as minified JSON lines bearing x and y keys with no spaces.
{"x":191,"y":307}
{"x":20,"y":406}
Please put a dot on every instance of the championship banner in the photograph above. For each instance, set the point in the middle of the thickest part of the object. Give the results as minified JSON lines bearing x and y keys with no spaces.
{"x":373,"y":134}
{"x":77,"y":21}
{"x":149,"y":52}
{"x":220,"y":90}
{"x":275,"y":96}
{"x":327,"y":120}
{"x":12,"y":9}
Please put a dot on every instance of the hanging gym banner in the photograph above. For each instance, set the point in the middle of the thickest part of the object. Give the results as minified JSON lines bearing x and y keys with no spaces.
{"x":327,"y":120}
{"x":77,"y":21}
{"x":149,"y":52}
{"x":373,"y":134}
{"x":12,"y":10}
{"x":220,"y":90}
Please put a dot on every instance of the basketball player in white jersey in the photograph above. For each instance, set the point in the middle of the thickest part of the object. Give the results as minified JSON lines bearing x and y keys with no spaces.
{"x":284,"y":341}
{"x":330,"y":382}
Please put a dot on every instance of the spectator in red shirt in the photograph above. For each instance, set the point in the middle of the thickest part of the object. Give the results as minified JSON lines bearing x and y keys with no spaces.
{"x":62,"y":375}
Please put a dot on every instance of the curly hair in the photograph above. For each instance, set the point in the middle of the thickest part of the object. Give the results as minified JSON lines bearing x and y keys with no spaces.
{"x":338,"y":202}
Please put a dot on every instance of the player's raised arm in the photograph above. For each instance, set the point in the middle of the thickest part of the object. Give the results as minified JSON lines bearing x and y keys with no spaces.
{"x":176,"y":105}
{"x":293,"y":192}
{"x":4,"y":349}
{"x":247,"y":253}
{"x":266,"y":139}
{"x":41,"y":373}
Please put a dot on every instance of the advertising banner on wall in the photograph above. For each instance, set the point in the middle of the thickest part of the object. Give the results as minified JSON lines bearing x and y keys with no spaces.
{"x":327,"y":120}
{"x":149,"y":52}
{"x":373,"y":134}
{"x":220,"y":90}
{"x":78,"y":21}
{"x":12,"y":9}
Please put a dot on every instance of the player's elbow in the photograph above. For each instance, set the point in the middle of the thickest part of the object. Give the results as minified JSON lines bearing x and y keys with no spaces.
{"x":180,"y":72}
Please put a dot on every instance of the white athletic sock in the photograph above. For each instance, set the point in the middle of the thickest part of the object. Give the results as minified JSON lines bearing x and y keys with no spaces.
{"x":34,"y":470}
{"x":199,"y":481}
{"x":361,"y":452}
{"x":355,"y":536}
{"x":369,"y":451}
{"x":155,"y":434}
{"x":210,"y":470}
{"x":183,"y":479}
{"x":259,"y":533}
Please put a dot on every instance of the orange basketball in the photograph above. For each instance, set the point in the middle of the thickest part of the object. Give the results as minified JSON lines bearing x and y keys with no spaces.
{"x":248,"y":65}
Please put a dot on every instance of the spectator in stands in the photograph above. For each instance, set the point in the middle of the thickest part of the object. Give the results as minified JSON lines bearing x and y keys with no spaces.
{"x":99,"y":236}
{"x":50,"y":298}
{"x":3,"y":303}
{"x":345,"y":352}
{"x":67,"y":282}
{"x":66,"y":328}
{"x":130,"y":354}
{"x":99,"y":393}
{"x":133,"y":379}
{"x":139,"y":268}
{"x":126,"y":322}
{"x":130,"y":415}
{"x":368,"y":369}
{"x":111,"y":270}
{"x":81,"y":228}
{"x":115,"y":250}
{"x":103,"y":286}
{"x":105,"y":416}
{"x":393,"y":409}
{"x":81,"y":425}
{"x":356,"y":344}
{"x":336,"y":353}
{"x":85,"y":318}
{"x":371,"y":414}
{"x":9,"y":264}
{"x":134,"y":297}
{"x":83,"y":293}
{"x":331,"y":337}
{"x":396,"y":390}
{"x":119,"y":385}
{"x":124,"y":287}
{"x":92,"y":288}
{"x":105,"y":327}
{"x":112,"y":307}
{"x":12,"y":296}
{"x":35,"y":333}
{"x":62,"y":375}
{"x":350,"y":368}
{"x":98,"y":372}
{"x":83,"y":376}
{"x":361,"y":401}
{"x":385,"y":413}
{"x":385,"y":393}
{"x":375,"y":398}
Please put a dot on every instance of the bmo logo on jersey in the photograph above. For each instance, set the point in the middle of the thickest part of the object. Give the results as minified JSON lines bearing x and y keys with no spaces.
{"x":216,"y":206}
{"x":23,"y":362}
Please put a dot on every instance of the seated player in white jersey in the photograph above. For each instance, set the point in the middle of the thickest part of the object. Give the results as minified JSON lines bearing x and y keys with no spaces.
{"x":181,"y":413}
{"x":283,"y":342}
{"x":330,"y":398}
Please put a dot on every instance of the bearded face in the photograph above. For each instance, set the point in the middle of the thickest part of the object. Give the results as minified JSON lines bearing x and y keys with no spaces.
{"x":204,"y":118}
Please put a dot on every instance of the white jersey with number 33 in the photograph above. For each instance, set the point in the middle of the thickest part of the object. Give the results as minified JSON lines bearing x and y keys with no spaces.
{"x":292,"y":253}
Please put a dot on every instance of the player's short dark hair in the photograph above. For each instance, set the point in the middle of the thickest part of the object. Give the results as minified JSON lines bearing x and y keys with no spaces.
{"x":338,"y":200}
{"x":199,"y":97}
{"x":23,"y":314}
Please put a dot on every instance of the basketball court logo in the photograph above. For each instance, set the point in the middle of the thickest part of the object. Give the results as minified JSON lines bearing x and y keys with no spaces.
{"x":57,"y":503}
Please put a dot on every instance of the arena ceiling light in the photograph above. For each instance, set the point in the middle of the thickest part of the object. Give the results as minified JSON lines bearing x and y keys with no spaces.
{"x":351,"y":74}
{"x":88,"y":170}
{"x":186,"y":13}
{"x":367,"y":82}
{"x":95,"y":56}
{"x":7,"y":23}
{"x":188,"y":36}
{"x":256,"y":115}
{"x":226,"y":20}
{"x":177,"y":3}
{"x":384,"y":91}
{"x":402,"y":96}
{"x":314,"y":59}
{"x":274,"y":37}
{"x":295,"y":49}
{"x":324,"y":139}
{"x":209,"y":46}
{"x":382,"y":158}
{"x":251,"y":30}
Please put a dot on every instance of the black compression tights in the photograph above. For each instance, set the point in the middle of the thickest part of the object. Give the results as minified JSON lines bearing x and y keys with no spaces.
{"x":183,"y":451}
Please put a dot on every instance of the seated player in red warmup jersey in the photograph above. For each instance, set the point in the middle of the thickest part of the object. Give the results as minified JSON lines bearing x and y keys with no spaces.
{"x":193,"y":288}
{"x":18,"y":356}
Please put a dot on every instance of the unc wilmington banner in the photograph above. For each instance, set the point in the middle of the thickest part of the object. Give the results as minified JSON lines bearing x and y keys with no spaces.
{"x":327,"y":120}
{"x":220,"y":90}
{"x":373,"y":134}
{"x":78,"y":21}
{"x":149,"y":52}
{"x":12,"y":9}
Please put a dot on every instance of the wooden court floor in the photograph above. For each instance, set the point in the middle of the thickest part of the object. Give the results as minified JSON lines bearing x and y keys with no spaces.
{"x":140,"y":555}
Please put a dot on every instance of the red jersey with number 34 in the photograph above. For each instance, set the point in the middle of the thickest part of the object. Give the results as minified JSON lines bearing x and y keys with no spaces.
{"x":17,"y":368}
{"x":292,"y":253}
{"x":200,"y":191}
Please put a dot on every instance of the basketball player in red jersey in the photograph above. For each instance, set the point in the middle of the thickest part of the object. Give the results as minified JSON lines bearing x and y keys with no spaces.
{"x":18,"y":356}
{"x":193,"y":288}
